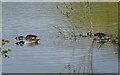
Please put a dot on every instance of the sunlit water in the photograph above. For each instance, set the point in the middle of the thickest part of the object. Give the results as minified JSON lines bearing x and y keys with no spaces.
{"x":52,"y":53}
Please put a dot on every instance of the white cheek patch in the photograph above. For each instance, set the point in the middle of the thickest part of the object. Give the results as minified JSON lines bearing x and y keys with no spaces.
{"x":33,"y":37}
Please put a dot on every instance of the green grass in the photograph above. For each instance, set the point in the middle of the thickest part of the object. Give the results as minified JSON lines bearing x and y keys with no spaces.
{"x":104,"y":16}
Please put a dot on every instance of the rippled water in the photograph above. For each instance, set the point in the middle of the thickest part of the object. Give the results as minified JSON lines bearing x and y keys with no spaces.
{"x":52,"y":53}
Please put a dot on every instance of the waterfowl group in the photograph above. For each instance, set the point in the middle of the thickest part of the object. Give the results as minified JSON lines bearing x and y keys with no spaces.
{"x":88,"y":34}
{"x":100,"y":37}
{"x":28,"y":39}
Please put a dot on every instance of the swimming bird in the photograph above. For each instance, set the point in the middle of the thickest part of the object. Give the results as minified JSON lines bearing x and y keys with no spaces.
{"x":30,"y":36}
{"x":21,"y":43}
{"x":28,"y":39}
{"x":31,"y":39}
{"x":84,"y":35}
{"x":100,"y":34}
{"x":107,"y":39}
{"x":19,"y":38}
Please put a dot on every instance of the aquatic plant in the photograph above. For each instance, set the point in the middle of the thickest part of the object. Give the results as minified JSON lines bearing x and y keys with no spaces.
{"x":4,"y":52}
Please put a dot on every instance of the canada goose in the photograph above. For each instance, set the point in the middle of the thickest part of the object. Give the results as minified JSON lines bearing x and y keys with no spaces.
{"x":19,"y":38}
{"x":31,"y":41}
{"x":21,"y":43}
{"x":100,"y":35}
{"x":84,"y":35}
{"x":28,"y":39}
{"x":107,"y":39}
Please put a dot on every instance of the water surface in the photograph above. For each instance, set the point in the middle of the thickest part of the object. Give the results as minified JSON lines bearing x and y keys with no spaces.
{"x":52,"y":53}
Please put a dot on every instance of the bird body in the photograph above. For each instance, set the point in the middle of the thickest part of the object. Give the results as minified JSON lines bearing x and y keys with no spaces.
{"x":28,"y":39}
{"x":100,"y":34}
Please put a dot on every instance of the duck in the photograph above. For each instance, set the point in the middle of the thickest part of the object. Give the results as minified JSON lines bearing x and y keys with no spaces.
{"x":107,"y":38}
{"x":84,"y":35}
{"x":100,"y":34}
{"x":31,"y":39}
{"x":28,"y":39}
{"x":19,"y":38}
{"x":88,"y":34}
{"x":21,"y":43}
{"x":30,"y":36}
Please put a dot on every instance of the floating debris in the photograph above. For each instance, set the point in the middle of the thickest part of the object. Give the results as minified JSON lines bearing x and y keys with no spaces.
{"x":4,"y":41}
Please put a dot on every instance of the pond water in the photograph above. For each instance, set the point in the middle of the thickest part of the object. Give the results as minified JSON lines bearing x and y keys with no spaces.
{"x":52,"y":53}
